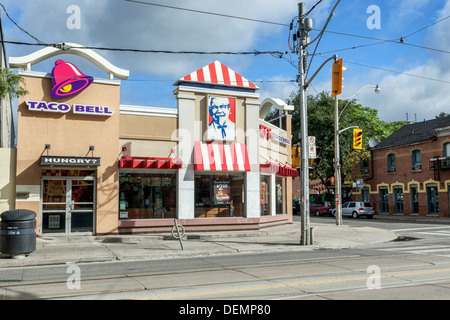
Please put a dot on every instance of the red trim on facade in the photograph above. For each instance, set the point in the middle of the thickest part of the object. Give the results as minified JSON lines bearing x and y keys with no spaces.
{"x":150,"y":163}
{"x":277,"y":169}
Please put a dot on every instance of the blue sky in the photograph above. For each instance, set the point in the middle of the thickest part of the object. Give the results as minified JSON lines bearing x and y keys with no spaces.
{"x":413,"y":80}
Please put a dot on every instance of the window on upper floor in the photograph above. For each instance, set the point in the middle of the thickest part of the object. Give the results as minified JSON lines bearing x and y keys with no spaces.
{"x":447,"y":154}
{"x":416,"y":160}
{"x":364,"y":167}
{"x":391,"y":162}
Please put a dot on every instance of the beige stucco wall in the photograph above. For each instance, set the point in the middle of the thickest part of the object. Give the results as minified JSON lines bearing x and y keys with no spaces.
{"x":148,"y":136}
{"x":7,"y":179}
{"x":70,"y":135}
{"x":277,"y":152}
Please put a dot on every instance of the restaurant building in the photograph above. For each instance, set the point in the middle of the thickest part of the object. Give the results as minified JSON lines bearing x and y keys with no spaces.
{"x":87,"y":164}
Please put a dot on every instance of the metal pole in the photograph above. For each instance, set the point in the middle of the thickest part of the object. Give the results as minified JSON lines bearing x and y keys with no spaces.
{"x":337,"y":165}
{"x":304,"y":175}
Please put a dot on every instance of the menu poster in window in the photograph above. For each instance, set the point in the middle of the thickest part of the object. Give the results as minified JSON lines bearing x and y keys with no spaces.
{"x":221,"y":191}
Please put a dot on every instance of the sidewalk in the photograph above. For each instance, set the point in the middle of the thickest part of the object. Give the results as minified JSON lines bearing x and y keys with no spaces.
{"x":83,"y":249}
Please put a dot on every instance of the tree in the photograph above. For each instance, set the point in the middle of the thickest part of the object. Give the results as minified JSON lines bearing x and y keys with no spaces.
{"x":11,"y":84}
{"x":321,"y":125}
{"x":442,"y":115}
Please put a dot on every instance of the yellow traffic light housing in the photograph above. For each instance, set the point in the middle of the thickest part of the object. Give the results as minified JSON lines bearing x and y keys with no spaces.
{"x":295,"y":156}
{"x":357,"y":138}
{"x":336,"y":77}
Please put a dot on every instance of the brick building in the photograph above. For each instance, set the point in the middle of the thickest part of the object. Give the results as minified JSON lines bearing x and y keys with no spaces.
{"x":409,"y":172}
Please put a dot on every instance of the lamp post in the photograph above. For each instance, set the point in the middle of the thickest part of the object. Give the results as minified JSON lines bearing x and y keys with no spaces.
{"x":337,"y":164}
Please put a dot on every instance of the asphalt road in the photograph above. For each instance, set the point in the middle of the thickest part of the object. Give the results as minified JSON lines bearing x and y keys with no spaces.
{"x":418,"y":267}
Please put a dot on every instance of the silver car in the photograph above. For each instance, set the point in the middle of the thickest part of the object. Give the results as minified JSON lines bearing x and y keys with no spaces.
{"x":356,"y":209}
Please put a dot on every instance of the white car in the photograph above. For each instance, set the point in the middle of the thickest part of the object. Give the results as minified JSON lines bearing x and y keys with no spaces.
{"x":356,"y":209}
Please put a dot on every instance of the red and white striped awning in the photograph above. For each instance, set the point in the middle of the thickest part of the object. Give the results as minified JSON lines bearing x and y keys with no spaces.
{"x":150,"y":163}
{"x":274,"y":168}
{"x":212,"y":156}
{"x":220,"y":74}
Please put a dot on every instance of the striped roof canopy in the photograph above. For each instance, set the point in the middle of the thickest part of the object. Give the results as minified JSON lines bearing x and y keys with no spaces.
{"x":218,"y":74}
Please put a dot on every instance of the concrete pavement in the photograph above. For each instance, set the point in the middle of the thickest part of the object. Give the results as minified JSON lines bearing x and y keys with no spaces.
{"x":83,"y":249}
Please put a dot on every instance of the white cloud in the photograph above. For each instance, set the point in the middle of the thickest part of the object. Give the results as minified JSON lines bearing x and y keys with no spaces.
{"x":122,"y":24}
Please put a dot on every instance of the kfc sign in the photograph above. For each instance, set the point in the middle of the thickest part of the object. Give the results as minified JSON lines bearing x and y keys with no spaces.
{"x":264,"y":132}
{"x":221,"y":119}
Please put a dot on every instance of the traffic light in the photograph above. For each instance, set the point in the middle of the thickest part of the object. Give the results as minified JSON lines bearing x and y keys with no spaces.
{"x":295,"y":156}
{"x":336,"y":77}
{"x":357,"y":138}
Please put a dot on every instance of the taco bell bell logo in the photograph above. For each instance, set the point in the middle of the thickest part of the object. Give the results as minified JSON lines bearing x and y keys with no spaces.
{"x":68,"y":80}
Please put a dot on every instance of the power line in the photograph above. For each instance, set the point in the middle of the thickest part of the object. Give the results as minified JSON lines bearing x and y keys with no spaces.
{"x":313,"y":7}
{"x":397,"y":72}
{"x":23,"y":30}
{"x":432,"y":24}
{"x":207,"y":12}
{"x":277,"y":54}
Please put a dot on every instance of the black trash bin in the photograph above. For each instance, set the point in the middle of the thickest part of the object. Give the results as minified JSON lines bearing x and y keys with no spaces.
{"x":18,"y":232}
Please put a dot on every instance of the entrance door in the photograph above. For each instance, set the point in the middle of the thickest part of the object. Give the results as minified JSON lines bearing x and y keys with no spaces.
{"x":432,"y":199}
{"x":68,"y":205}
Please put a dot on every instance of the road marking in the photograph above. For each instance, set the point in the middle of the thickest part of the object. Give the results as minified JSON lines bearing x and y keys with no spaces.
{"x":432,"y":250}
{"x":414,"y":229}
{"x":412,"y":248}
{"x":436,"y":233}
{"x":293,"y":284}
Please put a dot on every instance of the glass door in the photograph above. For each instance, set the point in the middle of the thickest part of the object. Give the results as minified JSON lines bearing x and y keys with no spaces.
{"x":81,"y":205}
{"x":432,"y":199}
{"x":68,"y":205}
{"x":384,"y":200}
{"x":54,"y":200}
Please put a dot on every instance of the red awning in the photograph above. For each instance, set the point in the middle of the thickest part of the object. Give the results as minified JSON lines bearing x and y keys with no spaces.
{"x":150,"y":163}
{"x":277,"y":169}
{"x":212,"y":156}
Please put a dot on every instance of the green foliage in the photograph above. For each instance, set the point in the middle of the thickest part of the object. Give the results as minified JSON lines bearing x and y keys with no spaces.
{"x":321,"y":125}
{"x":11,"y":84}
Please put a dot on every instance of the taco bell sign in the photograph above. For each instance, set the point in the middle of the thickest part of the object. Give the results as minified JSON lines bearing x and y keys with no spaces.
{"x":64,"y":108}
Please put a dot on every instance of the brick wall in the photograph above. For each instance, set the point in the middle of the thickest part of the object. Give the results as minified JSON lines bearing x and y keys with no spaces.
{"x":405,"y":176}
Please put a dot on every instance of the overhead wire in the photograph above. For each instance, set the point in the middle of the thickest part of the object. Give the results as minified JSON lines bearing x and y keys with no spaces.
{"x":207,"y":12}
{"x":20,"y":28}
{"x":278,"y":54}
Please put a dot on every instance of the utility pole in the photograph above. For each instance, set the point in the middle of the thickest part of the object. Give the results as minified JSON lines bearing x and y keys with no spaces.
{"x":337,"y":165}
{"x":304,"y":163}
{"x":336,"y":89}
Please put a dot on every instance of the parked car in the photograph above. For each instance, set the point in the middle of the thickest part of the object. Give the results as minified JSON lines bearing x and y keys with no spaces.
{"x":320,"y":208}
{"x":356,"y":209}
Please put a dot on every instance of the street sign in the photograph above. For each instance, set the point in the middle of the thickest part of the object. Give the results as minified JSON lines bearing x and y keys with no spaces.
{"x":312,"y":151}
{"x":359,"y":183}
{"x":312,"y":147}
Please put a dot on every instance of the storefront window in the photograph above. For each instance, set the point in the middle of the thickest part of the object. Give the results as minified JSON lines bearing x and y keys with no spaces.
{"x":147,"y":195}
{"x":279,"y":194}
{"x":265,"y":195}
{"x":219,"y":195}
